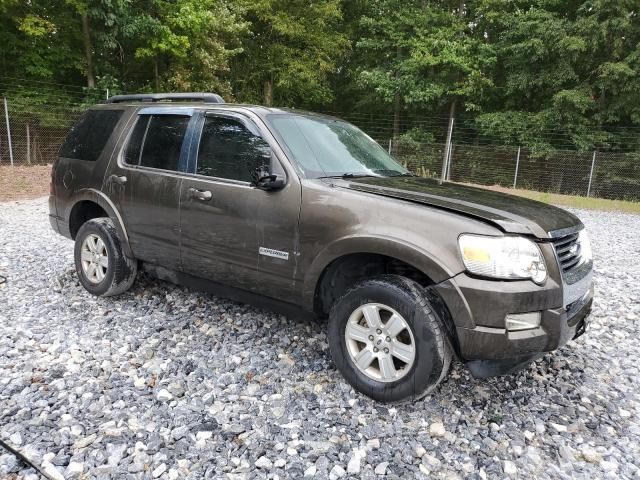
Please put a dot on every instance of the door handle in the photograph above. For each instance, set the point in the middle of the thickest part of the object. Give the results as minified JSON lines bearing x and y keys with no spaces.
{"x":120,"y":180}
{"x":202,"y":195}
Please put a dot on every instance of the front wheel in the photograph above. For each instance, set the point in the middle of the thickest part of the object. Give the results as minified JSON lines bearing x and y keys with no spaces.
{"x":387,"y":340}
{"x":102,"y":266}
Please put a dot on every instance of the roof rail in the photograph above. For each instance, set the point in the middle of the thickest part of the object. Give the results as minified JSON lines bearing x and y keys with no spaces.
{"x":158,"y":97}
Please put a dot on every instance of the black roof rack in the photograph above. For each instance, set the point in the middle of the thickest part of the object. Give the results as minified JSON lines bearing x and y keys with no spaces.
{"x":158,"y":97}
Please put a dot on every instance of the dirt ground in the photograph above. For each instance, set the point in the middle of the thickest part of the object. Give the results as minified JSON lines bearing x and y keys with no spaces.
{"x":22,"y":182}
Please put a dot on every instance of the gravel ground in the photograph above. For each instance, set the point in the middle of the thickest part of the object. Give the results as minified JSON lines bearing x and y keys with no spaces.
{"x":163,"y":382}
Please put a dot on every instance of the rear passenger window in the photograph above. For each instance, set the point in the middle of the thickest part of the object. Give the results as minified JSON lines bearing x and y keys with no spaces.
{"x":163,"y":141}
{"x":229,"y":150}
{"x":134,"y":147}
{"x":90,"y":134}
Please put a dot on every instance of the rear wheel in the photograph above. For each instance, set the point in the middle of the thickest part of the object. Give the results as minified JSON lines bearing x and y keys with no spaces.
{"x":102,"y":267}
{"x":387,"y":340}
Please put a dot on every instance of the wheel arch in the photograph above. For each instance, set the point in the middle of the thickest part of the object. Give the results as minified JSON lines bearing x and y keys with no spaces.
{"x":377,"y":251}
{"x":91,"y":203}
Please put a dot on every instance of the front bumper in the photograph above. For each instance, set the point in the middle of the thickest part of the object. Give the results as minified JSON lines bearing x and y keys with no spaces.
{"x":515,"y":350}
{"x":557,"y":327}
{"x":478,"y":309}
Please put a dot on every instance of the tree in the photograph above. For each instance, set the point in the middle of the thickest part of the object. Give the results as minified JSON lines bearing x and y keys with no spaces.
{"x":38,"y":40}
{"x":542,"y":73}
{"x":189,"y":42}
{"x":566,"y":70}
{"x":289,"y":52}
{"x":97,"y":21}
{"x":423,"y":55}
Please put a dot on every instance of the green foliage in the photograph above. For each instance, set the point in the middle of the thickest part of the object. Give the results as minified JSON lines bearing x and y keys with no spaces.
{"x":564,"y":70}
{"x":36,"y":40}
{"x":193,"y":39}
{"x":422,"y":54}
{"x":289,"y":52}
{"x":545,"y":74}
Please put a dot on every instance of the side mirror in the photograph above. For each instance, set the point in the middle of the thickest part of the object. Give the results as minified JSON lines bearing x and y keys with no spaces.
{"x":265,"y":180}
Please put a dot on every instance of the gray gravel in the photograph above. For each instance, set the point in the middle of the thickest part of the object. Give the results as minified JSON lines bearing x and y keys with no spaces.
{"x":164,"y":382}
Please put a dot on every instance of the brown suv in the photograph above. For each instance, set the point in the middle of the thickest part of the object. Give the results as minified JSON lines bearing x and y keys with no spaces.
{"x":308,"y":213}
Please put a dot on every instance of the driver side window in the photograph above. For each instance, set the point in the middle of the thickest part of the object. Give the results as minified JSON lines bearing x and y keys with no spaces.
{"x":229,"y":150}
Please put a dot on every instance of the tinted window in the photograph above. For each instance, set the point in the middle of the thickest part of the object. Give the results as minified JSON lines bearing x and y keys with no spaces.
{"x":89,"y":135}
{"x":229,"y":150}
{"x":163,"y":141}
{"x":134,"y":147}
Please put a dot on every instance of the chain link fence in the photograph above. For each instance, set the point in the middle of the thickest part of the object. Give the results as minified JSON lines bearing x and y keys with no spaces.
{"x":596,"y":174}
{"x":33,"y":135}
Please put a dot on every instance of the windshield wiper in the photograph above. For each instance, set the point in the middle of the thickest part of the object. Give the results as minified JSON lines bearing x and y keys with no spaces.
{"x":394,"y":173}
{"x":351,"y":175}
{"x":358,"y":175}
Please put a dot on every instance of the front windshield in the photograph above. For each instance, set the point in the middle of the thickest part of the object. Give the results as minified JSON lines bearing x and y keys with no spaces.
{"x":326,"y":147}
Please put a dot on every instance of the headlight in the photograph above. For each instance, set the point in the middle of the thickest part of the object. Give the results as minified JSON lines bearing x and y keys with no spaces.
{"x":586,"y":253}
{"x":508,"y":257}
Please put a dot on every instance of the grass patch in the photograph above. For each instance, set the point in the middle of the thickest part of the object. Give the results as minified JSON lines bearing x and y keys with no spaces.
{"x":574,"y":201}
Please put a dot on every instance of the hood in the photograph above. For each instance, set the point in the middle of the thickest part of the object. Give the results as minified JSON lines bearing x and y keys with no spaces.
{"x":510,"y":213}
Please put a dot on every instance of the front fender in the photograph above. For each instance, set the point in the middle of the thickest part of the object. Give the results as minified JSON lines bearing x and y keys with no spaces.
{"x":391,"y":247}
{"x":96,"y":196}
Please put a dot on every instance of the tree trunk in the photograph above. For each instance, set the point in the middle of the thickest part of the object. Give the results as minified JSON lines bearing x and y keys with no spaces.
{"x":396,"y":120}
{"x":268,"y":92}
{"x":156,"y":76}
{"x":396,"y":99}
{"x":86,"y":35}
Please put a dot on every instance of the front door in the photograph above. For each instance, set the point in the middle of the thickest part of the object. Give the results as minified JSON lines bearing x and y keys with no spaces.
{"x":232,"y":232}
{"x":147,"y":182}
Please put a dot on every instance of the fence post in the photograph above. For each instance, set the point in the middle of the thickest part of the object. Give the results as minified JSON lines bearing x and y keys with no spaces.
{"x":593,"y":163}
{"x":28,"y":145}
{"x":390,"y":146}
{"x":448,"y":178}
{"x":515,"y":177}
{"x":445,"y":158}
{"x":6,"y":116}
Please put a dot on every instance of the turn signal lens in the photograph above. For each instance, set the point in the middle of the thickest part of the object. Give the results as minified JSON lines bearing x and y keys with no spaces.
{"x":476,"y":254}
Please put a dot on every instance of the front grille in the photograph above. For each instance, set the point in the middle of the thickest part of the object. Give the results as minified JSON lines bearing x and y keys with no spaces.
{"x":568,"y":251}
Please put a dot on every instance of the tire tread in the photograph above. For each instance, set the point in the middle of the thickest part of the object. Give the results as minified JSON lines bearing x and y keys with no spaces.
{"x":125,"y":268}
{"x":421,"y":297}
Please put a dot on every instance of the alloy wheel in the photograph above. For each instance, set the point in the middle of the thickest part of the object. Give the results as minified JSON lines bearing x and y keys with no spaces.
{"x":94,"y":258}
{"x":380,"y":342}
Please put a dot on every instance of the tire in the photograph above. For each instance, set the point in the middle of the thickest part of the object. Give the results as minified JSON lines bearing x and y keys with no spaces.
{"x":117,"y":271}
{"x":413,"y":375}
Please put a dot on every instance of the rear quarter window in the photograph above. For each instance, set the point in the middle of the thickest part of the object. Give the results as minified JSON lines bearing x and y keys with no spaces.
{"x":90,"y":134}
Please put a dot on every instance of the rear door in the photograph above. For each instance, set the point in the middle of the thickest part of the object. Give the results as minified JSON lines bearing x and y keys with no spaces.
{"x":84,"y":156}
{"x":147,"y":182}
{"x":232,"y":232}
